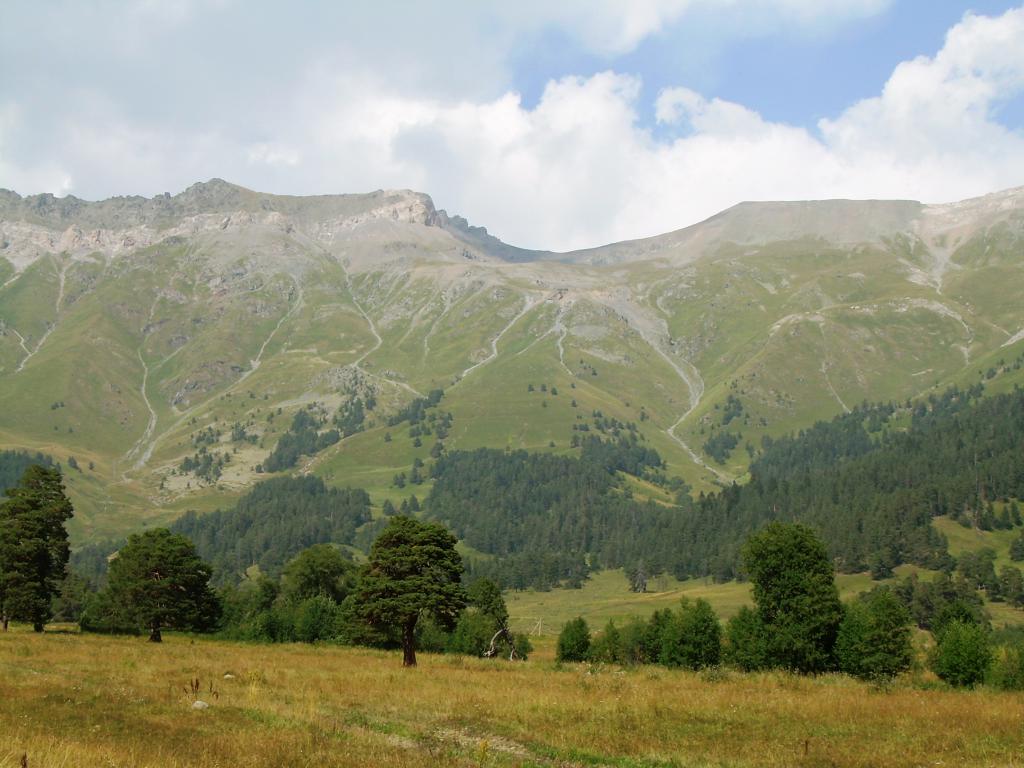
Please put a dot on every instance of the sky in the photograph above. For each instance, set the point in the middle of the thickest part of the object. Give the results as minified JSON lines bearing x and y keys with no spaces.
{"x":556,"y":125}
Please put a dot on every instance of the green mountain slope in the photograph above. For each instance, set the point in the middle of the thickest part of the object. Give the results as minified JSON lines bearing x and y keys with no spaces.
{"x":152,"y":336}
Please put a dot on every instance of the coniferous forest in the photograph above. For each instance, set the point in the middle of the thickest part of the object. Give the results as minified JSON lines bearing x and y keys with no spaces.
{"x":273,"y":522}
{"x":870,"y":481}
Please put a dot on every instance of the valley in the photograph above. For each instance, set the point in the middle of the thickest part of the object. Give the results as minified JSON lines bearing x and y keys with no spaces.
{"x":512,"y":385}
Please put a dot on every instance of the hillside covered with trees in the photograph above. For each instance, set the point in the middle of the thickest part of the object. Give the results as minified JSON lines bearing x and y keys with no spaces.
{"x":870,"y":481}
{"x":273,"y":522}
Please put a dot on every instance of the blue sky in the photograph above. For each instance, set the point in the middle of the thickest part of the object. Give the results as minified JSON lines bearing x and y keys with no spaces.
{"x":555,"y":125}
{"x":795,"y":77}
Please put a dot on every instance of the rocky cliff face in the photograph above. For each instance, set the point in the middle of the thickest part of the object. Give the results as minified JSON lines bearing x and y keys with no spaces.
{"x":53,"y":225}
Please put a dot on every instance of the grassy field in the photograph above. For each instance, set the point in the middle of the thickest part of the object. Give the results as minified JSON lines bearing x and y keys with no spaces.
{"x":971,"y":539}
{"x":605,"y":595}
{"x":70,"y":700}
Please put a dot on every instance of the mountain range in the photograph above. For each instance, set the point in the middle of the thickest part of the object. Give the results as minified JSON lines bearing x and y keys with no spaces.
{"x":166,"y":344}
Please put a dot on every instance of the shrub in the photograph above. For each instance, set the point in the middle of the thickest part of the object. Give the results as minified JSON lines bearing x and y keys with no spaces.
{"x":746,"y":642}
{"x":1007,"y":669}
{"x":963,"y":654}
{"x":607,"y":647}
{"x":523,"y":645}
{"x":102,"y":615}
{"x":316,"y":618}
{"x":874,"y":638}
{"x":431,"y":636}
{"x":692,"y":638}
{"x":473,"y":633}
{"x":634,"y":643}
{"x":574,"y":641}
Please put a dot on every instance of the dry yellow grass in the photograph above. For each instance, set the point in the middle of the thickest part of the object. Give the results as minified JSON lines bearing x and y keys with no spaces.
{"x":69,"y":700}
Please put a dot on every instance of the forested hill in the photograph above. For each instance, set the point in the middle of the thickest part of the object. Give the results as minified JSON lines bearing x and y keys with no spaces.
{"x":547,"y":518}
{"x":320,"y":329}
{"x":272,"y":523}
{"x":871,"y":481}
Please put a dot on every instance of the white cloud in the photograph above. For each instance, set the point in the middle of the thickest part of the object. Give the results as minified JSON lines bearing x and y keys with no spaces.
{"x":579,"y":167}
{"x":42,"y":175}
{"x":273,"y":155}
{"x":943,"y":105}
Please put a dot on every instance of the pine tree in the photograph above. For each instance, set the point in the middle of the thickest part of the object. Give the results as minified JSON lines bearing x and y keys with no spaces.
{"x":159,"y":581}
{"x":413,"y":570}
{"x":1017,"y":548}
{"x":1011,"y":585}
{"x":34,"y":547}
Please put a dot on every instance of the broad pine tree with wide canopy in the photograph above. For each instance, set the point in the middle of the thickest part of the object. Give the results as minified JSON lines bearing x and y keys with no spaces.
{"x":413,"y":570}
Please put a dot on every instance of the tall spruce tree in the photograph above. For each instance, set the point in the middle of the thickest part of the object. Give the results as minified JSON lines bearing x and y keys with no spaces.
{"x":796,"y":596}
{"x":414,"y":569}
{"x":34,"y":547}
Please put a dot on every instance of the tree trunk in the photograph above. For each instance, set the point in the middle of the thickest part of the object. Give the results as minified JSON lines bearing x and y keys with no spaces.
{"x":6,"y":620}
{"x":506,"y":634}
{"x":409,"y":645}
{"x":37,"y":626}
{"x":154,"y":634}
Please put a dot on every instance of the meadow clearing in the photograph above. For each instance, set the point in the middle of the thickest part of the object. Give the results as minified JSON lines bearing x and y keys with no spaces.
{"x":80,"y":700}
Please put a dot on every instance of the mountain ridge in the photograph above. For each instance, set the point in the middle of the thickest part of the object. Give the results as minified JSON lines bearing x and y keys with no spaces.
{"x":172,"y":348}
{"x":745,"y":217}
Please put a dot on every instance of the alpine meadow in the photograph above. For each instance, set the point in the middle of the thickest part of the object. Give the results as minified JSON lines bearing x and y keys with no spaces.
{"x":342,"y":478}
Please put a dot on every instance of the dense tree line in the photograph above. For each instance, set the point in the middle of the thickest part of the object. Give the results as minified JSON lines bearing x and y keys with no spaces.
{"x":625,"y":453}
{"x":798,"y":624}
{"x":351,"y":416}
{"x":274,"y":521}
{"x":719,"y":446}
{"x":549,"y":519}
{"x":409,"y":594}
{"x":871,"y":481}
{"x":416,"y":411}
{"x":14,"y":463}
{"x":874,"y":494}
